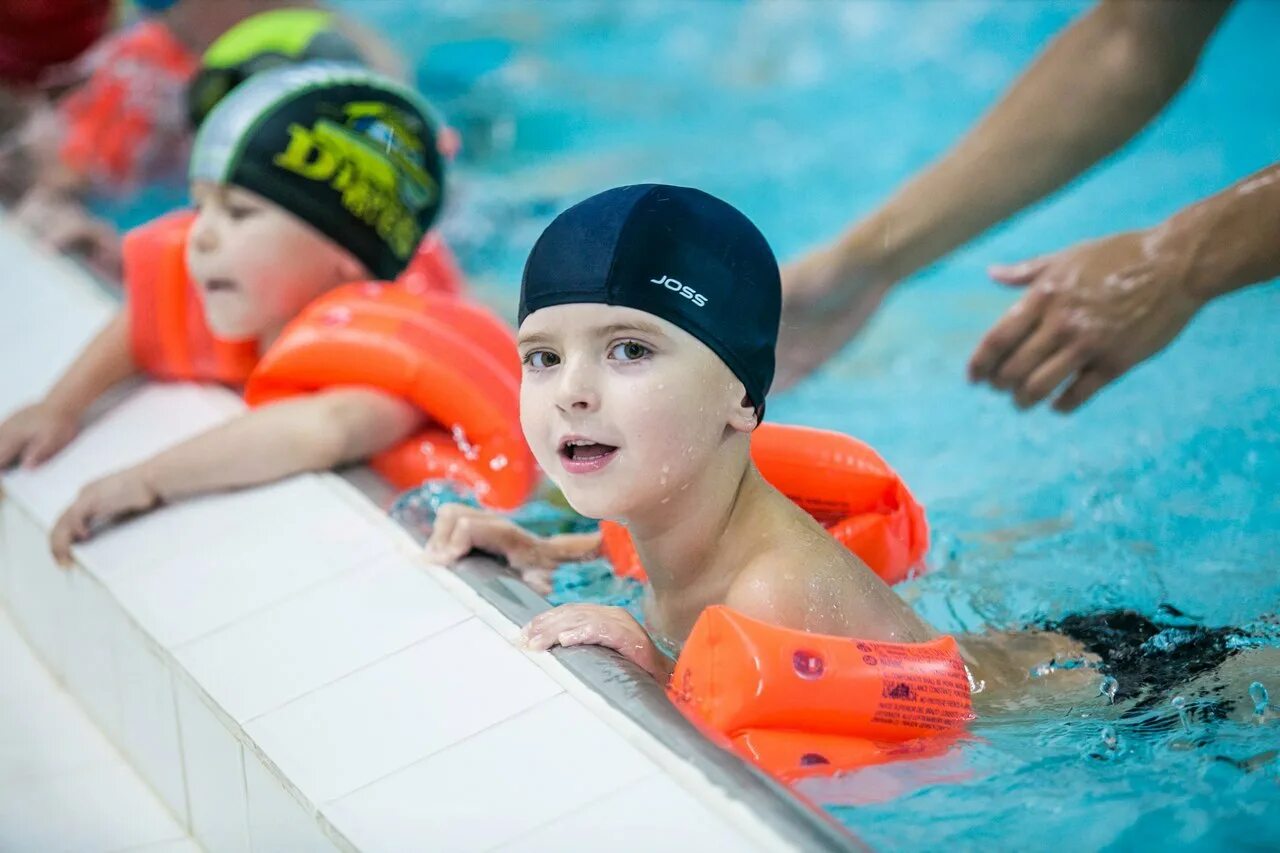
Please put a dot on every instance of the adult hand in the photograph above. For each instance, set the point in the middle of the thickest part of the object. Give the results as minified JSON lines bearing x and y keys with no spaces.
{"x":98,"y":504}
{"x":1090,"y":313}
{"x":826,"y":300}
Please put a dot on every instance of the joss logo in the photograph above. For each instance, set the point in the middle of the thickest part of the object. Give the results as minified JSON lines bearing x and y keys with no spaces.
{"x":684,"y":290}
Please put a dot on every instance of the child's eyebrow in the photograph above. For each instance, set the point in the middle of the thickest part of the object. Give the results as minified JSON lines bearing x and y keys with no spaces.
{"x":530,"y":340}
{"x":637,"y":326}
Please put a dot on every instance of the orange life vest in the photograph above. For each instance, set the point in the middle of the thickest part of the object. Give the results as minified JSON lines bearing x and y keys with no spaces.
{"x":416,"y":340}
{"x":800,"y":704}
{"x":838,"y":480}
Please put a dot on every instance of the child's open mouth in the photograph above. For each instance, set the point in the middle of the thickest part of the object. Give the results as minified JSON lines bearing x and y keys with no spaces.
{"x":583,"y":456}
{"x":220,"y":285}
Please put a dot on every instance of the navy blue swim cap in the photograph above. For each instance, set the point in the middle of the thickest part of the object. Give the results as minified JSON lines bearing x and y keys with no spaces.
{"x":674,"y":252}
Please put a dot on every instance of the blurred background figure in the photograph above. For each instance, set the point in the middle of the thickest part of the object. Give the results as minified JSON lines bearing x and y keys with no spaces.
{"x":1092,"y":311}
{"x":121,"y":123}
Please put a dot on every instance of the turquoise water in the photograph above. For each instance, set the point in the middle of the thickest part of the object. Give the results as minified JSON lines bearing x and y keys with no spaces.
{"x":1161,"y":492}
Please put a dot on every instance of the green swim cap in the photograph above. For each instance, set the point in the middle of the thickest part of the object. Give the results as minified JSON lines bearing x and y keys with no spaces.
{"x":340,"y":147}
{"x":264,"y":41}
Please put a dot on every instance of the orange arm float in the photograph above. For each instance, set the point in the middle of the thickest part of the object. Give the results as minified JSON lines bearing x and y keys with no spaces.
{"x":451,"y":358}
{"x":796,"y":702}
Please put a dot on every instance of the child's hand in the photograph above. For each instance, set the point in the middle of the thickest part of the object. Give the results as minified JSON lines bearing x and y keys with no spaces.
{"x":98,"y":504}
{"x":595,"y":625}
{"x":34,"y":434}
{"x":459,"y":529}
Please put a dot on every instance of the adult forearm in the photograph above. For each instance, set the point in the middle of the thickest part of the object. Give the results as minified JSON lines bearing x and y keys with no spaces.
{"x":1093,"y":89}
{"x":1229,"y":240}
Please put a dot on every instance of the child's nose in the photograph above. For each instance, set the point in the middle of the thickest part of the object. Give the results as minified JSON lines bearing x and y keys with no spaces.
{"x":578,"y":389}
{"x":204,"y":237}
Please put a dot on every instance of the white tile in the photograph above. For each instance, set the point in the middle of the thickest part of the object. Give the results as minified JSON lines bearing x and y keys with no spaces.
{"x":186,"y":845}
{"x":215,"y":776}
{"x":278,"y":822}
{"x":399,"y":710}
{"x":494,"y":786}
{"x":90,"y":673}
{"x":146,"y":421}
{"x":4,"y":552}
{"x":653,"y":814}
{"x":39,"y":591}
{"x":66,"y":317}
{"x":149,"y":719}
{"x":43,"y":732}
{"x":103,"y":808}
{"x":318,"y":636}
{"x":204,"y":524}
{"x":263,"y":559}
{"x":23,"y":673}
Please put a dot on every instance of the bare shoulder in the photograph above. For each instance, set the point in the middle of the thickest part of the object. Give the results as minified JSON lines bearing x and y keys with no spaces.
{"x":795,"y":587}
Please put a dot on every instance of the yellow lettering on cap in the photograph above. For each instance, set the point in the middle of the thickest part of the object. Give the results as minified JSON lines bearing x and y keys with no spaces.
{"x":303,"y":156}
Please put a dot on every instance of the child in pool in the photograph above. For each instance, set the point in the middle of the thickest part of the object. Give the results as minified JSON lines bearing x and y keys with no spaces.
{"x":270,"y":236}
{"x":124,"y":125}
{"x":648,"y":317}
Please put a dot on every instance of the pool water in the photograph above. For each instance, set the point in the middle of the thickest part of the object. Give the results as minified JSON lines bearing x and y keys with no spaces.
{"x":1159,"y":494}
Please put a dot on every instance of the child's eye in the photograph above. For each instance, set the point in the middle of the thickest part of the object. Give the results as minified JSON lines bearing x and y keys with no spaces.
{"x":236,"y":212}
{"x":629,"y":351}
{"x":541,"y":359}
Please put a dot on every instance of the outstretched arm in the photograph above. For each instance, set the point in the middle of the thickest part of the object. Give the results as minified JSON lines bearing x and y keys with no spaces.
{"x":1095,"y":86}
{"x":313,"y":433}
{"x":35,"y":433}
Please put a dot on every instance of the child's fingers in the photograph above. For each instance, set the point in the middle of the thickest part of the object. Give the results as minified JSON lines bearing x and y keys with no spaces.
{"x":545,"y":629}
{"x":538,"y":580}
{"x":66,"y":531}
{"x":11,"y":448}
{"x":39,"y":449}
{"x":447,"y":544}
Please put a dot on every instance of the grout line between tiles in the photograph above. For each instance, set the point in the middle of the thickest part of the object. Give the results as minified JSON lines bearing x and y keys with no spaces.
{"x":579,"y":807}
{"x":399,"y":651}
{"x":442,"y":750}
{"x":360,"y":566}
{"x":188,"y":824}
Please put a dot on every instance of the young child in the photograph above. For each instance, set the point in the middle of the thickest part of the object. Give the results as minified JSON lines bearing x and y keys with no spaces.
{"x":648,"y":318}
{"x":304,"y":179}
{"x":125,"y":125}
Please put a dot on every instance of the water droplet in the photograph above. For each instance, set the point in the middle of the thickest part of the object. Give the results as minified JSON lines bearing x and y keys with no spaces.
{"x":1180,"y":705}
{"x":1109,"y":738}
{"x":808,"y":665}
{"x":338,"y":315}
{"x":1261,"y":699}
{"x":498,"y":462}
{"x":1108,"y":688}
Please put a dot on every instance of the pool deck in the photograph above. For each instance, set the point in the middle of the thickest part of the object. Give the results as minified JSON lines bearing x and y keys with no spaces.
{"x":285,"y":672}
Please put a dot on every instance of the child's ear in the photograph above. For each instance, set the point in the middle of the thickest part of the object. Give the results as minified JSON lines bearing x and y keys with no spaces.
{"x":744,"y":417}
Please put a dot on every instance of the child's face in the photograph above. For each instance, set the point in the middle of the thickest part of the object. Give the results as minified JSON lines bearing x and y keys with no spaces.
{"x":258,"y":265}
{"x":623,"y":409}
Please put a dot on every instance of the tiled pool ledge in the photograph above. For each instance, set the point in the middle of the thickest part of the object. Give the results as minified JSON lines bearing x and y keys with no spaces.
{"x":285,"y":672}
